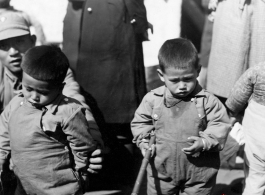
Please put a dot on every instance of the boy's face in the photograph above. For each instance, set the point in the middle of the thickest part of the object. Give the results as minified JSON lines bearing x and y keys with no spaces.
{"x":39,"y":93}
{"x":13,"y":49}
{"x":180,"y":82}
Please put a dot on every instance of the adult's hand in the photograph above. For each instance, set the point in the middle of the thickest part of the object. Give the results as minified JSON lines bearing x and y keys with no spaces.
{"x":95,"y":161}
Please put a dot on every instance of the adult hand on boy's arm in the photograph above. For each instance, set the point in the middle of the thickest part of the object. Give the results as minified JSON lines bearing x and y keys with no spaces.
{"x":95,"y":160}
{"x":197,"y":146}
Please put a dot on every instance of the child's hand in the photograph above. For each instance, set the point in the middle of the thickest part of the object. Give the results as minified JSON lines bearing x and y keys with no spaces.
{"x":197,"y":146}
{"x":144,"y":146}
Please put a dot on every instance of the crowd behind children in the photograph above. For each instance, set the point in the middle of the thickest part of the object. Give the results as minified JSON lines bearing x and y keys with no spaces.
{"x":52,"y":140}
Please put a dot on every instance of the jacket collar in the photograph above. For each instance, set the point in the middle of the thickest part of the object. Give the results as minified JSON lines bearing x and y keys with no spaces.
{"x":14,"y":80}
{"x":170,"y":100}
{"x":52,"y":107}
{"x":55,"y":104}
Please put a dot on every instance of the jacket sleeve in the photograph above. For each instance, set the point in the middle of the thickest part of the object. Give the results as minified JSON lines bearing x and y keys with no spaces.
{"x":72,"y":89}
{"x":137,"y":12}
{"x":79,"y":139}
{"x":142,"y":123}
{"x":218,"y":124}
{"x":242,"y":91}
{"x":4,"y":134}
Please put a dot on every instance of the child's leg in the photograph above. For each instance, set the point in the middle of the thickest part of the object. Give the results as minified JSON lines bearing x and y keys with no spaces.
{"x":201,"y":186}
{"x":158,"y":183}
{"x":254,"y":172}
{"x":157,"y":186}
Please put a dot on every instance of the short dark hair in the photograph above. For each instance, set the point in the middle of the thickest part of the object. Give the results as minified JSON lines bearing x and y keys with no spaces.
{"x":46,"y":63}
{"x":179,"y":53}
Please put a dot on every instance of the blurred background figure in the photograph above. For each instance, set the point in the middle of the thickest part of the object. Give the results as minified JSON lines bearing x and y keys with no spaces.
{"x":35,"y":25}
{"x":237,"y":43}
{"x":50,"y":15}
{"x":206,"y":42}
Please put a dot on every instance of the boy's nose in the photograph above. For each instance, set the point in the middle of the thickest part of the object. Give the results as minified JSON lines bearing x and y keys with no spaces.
{"x":35,"y":97}
{"x":13,"y":51}
{"x":182,"y":85}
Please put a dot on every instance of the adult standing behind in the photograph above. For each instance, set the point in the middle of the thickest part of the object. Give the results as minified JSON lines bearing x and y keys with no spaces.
{"x":237,"y":42}
{"x":110,"y":60}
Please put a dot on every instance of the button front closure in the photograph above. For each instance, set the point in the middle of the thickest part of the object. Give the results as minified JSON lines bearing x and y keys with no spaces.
{"x":89,"y":9}
{"x":155,"y":116}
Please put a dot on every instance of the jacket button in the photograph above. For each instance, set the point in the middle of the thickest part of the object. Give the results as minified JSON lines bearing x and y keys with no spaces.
{"x":133,"y":21}
{"x":155,"y":116}
{"x":89,"y":9}
{"x":192,"y":99}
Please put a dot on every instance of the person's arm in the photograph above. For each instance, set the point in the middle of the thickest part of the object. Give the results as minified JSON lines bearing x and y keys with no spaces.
{"x":80,"y":141}
{"x":72,"y":89}
{"x":218,"y":125}
{"x":142,"y":123}
{"x":242,"y":91}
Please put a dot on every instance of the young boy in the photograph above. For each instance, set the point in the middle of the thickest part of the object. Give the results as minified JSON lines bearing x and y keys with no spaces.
{"x":45,"y":131}
{"x":190,"y":125}
{"x":249,"y":90}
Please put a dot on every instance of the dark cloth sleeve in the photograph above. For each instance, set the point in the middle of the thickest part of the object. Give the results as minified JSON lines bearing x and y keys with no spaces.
{"x":80,"y":140}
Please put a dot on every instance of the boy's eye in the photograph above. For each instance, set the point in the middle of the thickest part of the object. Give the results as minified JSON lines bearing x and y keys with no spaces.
{"x":4,"y":46}
{"x":43,"y":93}
{"x":28,"y":89}
{"x":20,"y":41}
{"x":188,"y":79}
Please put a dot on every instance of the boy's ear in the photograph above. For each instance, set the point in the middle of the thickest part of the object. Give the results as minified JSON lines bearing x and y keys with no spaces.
{"x":161,"y":75}
{"x":199,"y":69}
{"x":33,"y":40}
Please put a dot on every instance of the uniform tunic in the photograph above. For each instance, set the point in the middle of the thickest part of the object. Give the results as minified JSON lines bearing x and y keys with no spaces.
{"x":174,"y":120}
{"x":49,"y":145}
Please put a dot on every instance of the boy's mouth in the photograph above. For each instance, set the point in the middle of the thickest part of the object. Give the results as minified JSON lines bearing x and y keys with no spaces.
{"x":16,"y":62}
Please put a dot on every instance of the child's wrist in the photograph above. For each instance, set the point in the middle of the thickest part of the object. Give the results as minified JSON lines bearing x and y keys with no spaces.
{"x":204,"y":145}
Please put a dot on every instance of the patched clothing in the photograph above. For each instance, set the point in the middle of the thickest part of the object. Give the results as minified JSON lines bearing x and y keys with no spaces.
{"x":50,"y":146}
{"x":174,"y":120}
